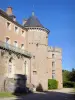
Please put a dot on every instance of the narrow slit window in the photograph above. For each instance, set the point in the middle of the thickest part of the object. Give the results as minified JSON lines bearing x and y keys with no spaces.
{"x":34,"y":72}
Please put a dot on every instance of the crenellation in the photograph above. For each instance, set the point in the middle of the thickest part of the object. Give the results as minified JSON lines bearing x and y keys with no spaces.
{"x":54,"y":49}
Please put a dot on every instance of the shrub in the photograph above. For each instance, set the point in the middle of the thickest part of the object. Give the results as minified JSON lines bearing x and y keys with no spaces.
{"x":52,"y":84}
{"x":68,"y":84}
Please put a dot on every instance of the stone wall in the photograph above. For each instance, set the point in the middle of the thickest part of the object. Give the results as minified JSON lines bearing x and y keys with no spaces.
{"x":57,"y":59}
{"x":12,"y":63}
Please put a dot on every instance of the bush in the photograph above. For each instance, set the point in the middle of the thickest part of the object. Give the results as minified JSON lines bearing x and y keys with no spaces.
{"x":52,"y":84}
{"x":68,"y":84}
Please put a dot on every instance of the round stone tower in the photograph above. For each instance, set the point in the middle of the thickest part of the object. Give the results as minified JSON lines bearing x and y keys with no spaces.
{"x":37,"y":42}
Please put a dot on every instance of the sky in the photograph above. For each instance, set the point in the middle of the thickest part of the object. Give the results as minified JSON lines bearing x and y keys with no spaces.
{"x":56,"y":15}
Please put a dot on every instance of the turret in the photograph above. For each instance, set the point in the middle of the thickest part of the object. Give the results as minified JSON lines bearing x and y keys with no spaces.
{"x":38,"y":33}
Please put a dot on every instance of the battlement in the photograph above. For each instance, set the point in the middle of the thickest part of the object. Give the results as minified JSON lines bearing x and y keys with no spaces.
{"x":54,"y":49}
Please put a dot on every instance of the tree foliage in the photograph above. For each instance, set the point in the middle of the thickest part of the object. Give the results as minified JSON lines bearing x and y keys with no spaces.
{"x":69,"y":78}
{"x":69,"y":75}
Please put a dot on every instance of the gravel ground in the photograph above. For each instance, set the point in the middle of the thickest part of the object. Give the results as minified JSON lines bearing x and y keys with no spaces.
{"x":65,"y":90}
{"x":63,"y":94}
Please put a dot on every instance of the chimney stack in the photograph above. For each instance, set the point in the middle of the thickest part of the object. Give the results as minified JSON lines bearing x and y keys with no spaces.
{"x":9,"y":11}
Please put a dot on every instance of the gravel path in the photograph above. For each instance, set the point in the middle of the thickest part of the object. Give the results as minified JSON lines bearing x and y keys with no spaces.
{"x":65,"y":90}
{"x":63,"y":94}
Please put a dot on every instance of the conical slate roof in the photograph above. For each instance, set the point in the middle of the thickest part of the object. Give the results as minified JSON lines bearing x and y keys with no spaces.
{"x":33,"y":22}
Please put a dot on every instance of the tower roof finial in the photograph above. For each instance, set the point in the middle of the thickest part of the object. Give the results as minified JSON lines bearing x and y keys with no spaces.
{"x":33,"y":10}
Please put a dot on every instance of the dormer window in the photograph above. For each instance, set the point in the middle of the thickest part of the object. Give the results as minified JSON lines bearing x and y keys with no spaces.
{"x":8,"y":26}
{"x":16,"y":29}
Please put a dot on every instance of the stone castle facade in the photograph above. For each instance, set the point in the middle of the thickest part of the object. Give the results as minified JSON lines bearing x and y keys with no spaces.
{"x":24,"y":50}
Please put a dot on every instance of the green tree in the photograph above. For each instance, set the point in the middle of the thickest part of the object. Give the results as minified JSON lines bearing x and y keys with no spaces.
{"x":69,"y":78}
{"x":72,"y":75}
{"x":66,"y":75}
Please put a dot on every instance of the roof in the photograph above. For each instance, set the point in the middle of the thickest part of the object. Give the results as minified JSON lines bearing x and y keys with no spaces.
{"x":33,"y":22}
{"x":5,"y":15}
{"x":12,"y":16}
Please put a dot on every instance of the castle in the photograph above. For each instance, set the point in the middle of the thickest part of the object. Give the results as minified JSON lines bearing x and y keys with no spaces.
{"x":24,"y":50}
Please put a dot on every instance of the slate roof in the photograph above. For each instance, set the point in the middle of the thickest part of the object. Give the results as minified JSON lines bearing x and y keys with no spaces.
{"x":33,"y":22}
{"x":12,"y":16}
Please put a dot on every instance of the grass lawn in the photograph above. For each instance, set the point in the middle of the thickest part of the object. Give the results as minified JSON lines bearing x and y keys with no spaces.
{"x":74,"y":89}
{"x":6,"y":94}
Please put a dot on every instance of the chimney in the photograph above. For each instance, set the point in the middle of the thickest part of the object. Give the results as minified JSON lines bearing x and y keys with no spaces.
{"x":9,"y":11}
{"x":24,"y":21}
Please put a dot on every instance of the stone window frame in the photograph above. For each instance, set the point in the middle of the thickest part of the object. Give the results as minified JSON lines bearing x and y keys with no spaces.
{"x":8,"y":26}
{"x":23,"y":46}
{"x":53,"y":75}
{"x":34,"y":72}
{"x":16,"y":29}
{"x":14,"y":42}
{"x":53,"y":70}
{"x":23,"y":33}
{"x":9,"y":39}
{"x":53,"y":64}
{"x":53,"y":55}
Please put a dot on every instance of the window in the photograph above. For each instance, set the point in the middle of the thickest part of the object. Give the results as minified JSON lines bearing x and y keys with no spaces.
{"x":53,"y":75}
{"x":23,"y":33}
{"x":10,"y":65}
{"x":53,"y":70}
{"x":10,"y":68}
{"x":53,"y":55}
{"x":15,"y":44}
{"x":16,"y":29}
{"x":34,"y":72}
{"x":33,"y":57}
{"x":7,"y":41}
{"x":37,"y":44}
{"x":10,"y":60}
{"x":53,"y":64}
{"x":22,"y":46}
{"x":8,"y":26}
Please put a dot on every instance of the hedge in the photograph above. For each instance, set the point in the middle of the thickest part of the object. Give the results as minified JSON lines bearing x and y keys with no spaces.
{"x":52,"y":84}
{"x":68,"y":84}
